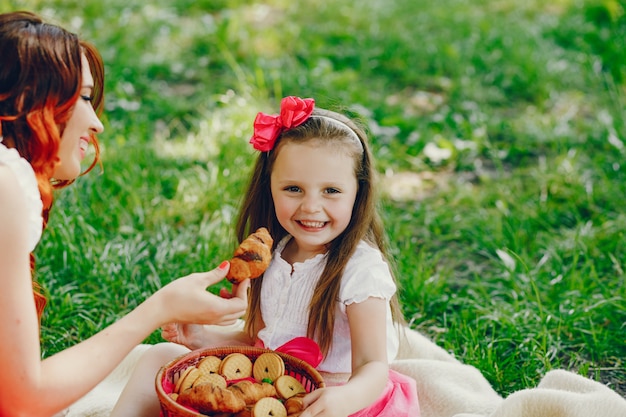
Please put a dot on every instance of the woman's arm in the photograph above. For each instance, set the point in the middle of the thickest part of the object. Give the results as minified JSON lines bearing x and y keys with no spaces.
{"x":19,"y":327}
{"x":30,"y":386}
{"x":370,"y":371}
{"x":197,"y":336}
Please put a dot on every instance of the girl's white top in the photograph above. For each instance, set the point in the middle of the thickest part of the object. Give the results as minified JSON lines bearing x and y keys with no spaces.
{"x":285,"y":298}
{"x":28,"y":183}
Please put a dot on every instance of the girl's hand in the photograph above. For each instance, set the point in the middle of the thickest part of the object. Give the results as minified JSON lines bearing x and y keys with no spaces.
{"x":369,"y":365}
{"x":326,"y":402}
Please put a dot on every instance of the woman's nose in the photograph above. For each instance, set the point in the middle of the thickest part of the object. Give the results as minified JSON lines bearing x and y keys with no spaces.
{"x":96,"y":125}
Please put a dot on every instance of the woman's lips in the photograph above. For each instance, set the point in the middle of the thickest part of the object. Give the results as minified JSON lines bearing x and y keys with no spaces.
{"x":83,"y":145}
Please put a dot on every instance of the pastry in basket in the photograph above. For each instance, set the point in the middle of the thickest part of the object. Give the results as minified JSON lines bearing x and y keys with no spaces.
{"x":269,"y":407}
{"x":214,"y":379}
{"x":186,"y":379}
{"x":211,"y":399}
{"x":294,"y":405}
{"x":209,"y":364}
{"x":246,"y":412}
{"x":252,"y":257}
{"x":251,"y":392}
{"x":288,"y":386}
{"x":268,"y":366}
{"x":236,"y":366}
{"x":237,"y":382}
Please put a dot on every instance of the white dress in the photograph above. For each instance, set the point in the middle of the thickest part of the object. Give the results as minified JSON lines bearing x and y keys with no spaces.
{"x":28,"y":183}
{"x":285,"y":299}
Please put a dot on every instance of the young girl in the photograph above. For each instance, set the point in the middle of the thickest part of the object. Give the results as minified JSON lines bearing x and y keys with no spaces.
{"x":313,"y":187}
{"x":50,"y":95}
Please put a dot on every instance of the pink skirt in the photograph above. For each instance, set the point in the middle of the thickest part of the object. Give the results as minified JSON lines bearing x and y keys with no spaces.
{"x":399,"y":399}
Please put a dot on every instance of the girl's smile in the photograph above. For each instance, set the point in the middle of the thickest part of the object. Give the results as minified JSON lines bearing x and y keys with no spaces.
{"x":311,"y":225}
{"x":313,"y":188}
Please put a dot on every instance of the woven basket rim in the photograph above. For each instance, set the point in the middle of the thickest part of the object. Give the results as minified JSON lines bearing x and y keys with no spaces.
{"x":194,"y":355}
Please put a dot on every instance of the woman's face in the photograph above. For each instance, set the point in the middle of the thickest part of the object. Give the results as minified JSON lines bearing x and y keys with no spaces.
{"x":77,"y":134}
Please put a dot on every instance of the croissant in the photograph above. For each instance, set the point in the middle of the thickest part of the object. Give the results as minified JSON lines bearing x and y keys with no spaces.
{"x":251,"y":392}
{"x":252,"y":257}
{"x":294,"y":405}
{"x":208,"y":399}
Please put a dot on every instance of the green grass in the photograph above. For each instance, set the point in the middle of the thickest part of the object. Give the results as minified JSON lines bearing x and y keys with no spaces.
{"x":510,"y":251}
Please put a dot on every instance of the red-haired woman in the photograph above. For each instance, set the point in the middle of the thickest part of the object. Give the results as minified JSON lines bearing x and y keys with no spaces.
{"x":51,"y":86}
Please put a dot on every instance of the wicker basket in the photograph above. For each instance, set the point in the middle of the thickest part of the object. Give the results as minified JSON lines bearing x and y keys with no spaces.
{"x":170,"y":373}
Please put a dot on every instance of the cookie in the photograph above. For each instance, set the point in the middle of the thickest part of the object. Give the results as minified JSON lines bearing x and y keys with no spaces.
{"x":189,"y":379}
{"x":209,"y":364}
{"x":288,"y":386}
{"x":269,"y":407}
{"x":252,"y":257}
{"x":182,"y":377}
{"x":215,"y":379}
{"x":268,"y":366}
{"x":236,"y":366}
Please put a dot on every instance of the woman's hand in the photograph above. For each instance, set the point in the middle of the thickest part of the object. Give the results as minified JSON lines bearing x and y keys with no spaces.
{"x":193,"y":336}
{"x":187,"y":301}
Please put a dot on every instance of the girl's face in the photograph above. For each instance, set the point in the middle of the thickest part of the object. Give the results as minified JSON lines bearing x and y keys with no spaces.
{"x":314,"y":188}
{"x":77,"y":133}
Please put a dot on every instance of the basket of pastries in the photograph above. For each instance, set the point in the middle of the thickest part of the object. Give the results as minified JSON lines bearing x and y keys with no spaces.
{"x":235,"y":381}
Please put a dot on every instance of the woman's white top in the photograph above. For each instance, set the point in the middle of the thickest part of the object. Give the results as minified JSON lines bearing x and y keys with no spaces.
{"x":28,"y":183}
{"x":285,"y":297}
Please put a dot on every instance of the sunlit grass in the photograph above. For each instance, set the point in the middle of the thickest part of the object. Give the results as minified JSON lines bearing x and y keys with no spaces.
{"x":498,"y":128}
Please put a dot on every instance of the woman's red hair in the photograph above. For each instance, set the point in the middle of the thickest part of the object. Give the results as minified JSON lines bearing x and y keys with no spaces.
{"x":40,"y":80}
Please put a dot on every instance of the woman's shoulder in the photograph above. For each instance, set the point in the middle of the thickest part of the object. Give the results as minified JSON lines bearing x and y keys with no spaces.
{"x":13,"y":205}
{"x":18,"y":187}
{"x":23,"y":171}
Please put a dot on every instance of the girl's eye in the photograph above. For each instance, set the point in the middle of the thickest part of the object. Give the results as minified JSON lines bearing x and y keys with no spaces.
{"x":332,"y":191}
{"x":292,"y":189}
{"x":87,"y":98}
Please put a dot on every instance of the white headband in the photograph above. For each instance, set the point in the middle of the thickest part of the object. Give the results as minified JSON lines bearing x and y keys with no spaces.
{"x":339,"y":123}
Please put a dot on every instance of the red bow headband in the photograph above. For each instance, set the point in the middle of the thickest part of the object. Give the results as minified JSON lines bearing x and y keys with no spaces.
{"x":293,"y":112}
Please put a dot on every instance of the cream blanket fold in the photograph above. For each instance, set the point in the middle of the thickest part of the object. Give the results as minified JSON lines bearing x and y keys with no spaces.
{"x":445,"y":387}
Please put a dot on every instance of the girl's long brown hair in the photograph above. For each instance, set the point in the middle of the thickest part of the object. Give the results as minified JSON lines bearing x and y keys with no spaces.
{"x":40,"y":80}
{"x":365,"y":225}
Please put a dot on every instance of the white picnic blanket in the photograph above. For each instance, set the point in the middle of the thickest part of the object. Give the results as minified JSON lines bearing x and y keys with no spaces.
{"x":446,"y":388}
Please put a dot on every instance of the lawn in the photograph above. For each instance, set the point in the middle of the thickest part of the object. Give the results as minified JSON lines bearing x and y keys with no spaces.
{"x":498,"y":128}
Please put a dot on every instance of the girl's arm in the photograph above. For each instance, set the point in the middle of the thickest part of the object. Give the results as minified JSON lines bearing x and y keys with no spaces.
{"x":30,"y":386}
{"x":197,"y":336}
{"x":369,"y":364}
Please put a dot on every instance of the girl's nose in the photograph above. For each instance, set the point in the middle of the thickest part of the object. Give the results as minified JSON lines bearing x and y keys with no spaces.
{"x":310,"y":204}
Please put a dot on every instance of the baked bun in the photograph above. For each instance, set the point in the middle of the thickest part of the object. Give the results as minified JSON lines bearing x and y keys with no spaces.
{"x":252,"y":257}
{"x":209,"y":399}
